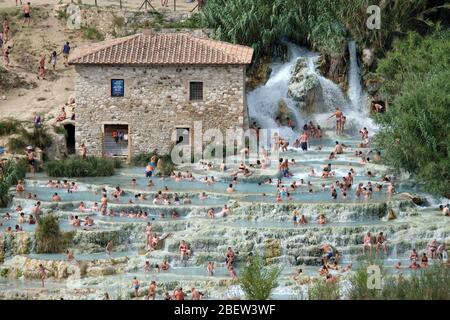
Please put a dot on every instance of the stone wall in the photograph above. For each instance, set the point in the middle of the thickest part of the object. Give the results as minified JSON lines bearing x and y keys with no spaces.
{"x":156,"y":102}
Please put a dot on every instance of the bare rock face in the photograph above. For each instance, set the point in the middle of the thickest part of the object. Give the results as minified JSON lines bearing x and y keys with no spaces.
{"x":58,"y":149}
{"x":22,"y":266}
{"x":367,"y":57}
{"x":304,"y":88}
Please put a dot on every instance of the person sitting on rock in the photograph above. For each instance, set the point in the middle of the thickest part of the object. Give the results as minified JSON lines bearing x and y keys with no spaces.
{"x":62,"y":115}
{"x":184,"y":250}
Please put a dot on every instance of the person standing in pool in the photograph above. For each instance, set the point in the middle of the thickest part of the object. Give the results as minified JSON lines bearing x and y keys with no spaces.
{"x":136,"y":286}
{"x":210,"y":268}
{"x":30,"y":159}
{"x":150,"y":168}
{"x":178,"y":294}
{"x":109,"y":247}
{"x":339,"y":115}
{"x":42,"y":273}
{"x":69,"y":255}
{"x":152,"y":291}
{"x":196,"y":295}
{"x":303,"y":139}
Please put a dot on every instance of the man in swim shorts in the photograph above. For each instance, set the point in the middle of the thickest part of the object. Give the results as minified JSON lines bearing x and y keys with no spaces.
{"x":26,"y":14}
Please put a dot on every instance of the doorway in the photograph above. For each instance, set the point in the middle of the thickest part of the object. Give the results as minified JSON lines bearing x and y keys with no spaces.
{"x":70,"y":138}
{"x":115,"y":140}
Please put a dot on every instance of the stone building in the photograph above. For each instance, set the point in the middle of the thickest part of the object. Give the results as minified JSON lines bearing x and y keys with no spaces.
{"x":148,"y":89}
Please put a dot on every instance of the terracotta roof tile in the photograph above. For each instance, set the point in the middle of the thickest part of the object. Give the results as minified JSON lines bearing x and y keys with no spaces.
{"x":163,"y":48}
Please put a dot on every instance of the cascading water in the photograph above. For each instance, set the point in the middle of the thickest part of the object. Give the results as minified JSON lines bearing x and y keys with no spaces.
{"x":354,"y":78}
{"x":263,"y":102}
{"x":357,"y":111}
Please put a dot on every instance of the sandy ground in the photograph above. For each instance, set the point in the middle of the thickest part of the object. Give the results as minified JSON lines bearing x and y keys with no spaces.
{"x":42,"y":37}
{"x":51,"y":34}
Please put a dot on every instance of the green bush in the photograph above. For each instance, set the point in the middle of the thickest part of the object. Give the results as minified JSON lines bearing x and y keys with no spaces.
{"x":415,"y":130}
{"x":432,"y":283}
{"x":92,"y":33}
{"x":195,"y":21}
{"x":4,"y":272}
{"x":322,"y":24}
{"x":257,"y":280}
{"x":49,"y":238}
{"x":323,"y":290}
{"x":10,"y":174}
{"x":37,"y":137}
{"x":62,"y":15}
{"x":9,"y":126}
{"x":78,"y":167}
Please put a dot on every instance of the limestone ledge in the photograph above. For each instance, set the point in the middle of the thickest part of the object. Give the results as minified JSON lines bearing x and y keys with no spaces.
{"x":21,"y":266}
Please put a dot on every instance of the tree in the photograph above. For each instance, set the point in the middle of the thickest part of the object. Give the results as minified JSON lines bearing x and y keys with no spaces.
{"x":257,"y":280}
{"x":49,"y":238}
{"x":10,"y":173}
{"x":415,"y":130}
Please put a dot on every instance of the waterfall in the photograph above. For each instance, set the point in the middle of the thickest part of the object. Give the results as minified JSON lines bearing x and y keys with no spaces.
{"x":354,"y":78}
{"x":263,"y":102}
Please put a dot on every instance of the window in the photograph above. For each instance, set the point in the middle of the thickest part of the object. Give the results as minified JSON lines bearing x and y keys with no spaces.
{"x":195,"y":91}
{"x":117,"y":87}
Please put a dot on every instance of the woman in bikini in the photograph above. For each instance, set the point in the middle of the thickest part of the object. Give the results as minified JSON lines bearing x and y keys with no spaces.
{"x":367,"y":243}
{"x":184,"y":249}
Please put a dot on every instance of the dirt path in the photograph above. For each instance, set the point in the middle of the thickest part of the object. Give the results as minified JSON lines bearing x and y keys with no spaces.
{"x":44,"y":36}
{"x":181,"y":5}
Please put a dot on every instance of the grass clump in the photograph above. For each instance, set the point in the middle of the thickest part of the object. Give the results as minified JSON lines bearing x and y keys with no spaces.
{"x":4,"y":273}
{"x":92,"y":33}
{"x":78,"y":167}
{"x":431,"y":283}
{"x":195,"y":21}
{"x":38,"y":137}
{"x":323,"y":290}
{"x":10,"y":173}
{"x":9,"y":126}
{"x":62,"y":15}
{"x":257,"y":280}
{"x":49,"y":238}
